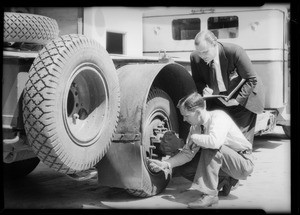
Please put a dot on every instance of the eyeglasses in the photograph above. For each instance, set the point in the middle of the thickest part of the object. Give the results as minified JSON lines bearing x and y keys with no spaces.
{"x":203,"y":53}
{"x":186,"y":115}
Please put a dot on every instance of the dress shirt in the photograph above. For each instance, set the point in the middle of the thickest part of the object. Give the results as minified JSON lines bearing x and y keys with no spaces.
{"x":220,"y":81}
{"x":219,"y":129}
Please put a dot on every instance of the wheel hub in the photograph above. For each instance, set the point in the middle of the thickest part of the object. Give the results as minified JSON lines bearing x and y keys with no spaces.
{"x":86,"y":104}
{"x":158,"y":125}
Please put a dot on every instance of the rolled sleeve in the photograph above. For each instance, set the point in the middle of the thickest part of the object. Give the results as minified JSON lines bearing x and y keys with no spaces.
{"x":184,"y":156}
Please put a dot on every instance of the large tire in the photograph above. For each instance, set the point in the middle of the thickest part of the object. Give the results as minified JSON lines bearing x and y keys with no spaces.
{"x":71,"y":103}
{"x":19,"y":169}
{"x":160,"y":108}
{"x":29,"y":28}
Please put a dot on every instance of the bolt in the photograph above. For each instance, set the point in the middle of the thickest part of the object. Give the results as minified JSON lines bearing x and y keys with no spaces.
{"x":152,"y":147}
{"x":75,"y":117}
{"x":154,"y":156}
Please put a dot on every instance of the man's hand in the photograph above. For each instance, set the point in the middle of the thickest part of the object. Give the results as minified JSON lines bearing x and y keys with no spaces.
{"x":230,"y":102}
{"x":157,"y":165}
{"x":207,"y":91}
{"x":192,"y":145}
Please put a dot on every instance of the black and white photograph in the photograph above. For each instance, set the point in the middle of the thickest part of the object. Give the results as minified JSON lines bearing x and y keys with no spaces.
{"x":156,"y":107}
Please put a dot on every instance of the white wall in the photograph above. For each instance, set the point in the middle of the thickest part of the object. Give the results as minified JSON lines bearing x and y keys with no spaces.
{"x":99,"y":20}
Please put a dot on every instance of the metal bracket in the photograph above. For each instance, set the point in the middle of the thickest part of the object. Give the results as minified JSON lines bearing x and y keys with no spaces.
{"x":124,"y":138}
{"x":16,"y":149}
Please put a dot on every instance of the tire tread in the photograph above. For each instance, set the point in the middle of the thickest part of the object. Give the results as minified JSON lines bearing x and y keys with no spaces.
{"x":147,"y":189}
{"x":39,"y":93}
{"x":31,"y":28}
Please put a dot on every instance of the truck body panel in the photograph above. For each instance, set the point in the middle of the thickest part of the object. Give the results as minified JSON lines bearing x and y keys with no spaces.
{"x":260,"y":31}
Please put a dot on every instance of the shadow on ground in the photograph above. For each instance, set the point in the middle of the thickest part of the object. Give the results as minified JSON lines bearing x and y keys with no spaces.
{"x":265,"y":145}
{"x":187,"y":197}
{"x":269,"y":141}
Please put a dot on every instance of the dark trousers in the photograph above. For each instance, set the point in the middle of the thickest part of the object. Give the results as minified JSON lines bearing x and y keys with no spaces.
{"x":209,"y":165}
{"x":244,"y":118}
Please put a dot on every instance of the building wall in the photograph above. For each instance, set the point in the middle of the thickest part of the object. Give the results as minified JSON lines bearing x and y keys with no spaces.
{"x":67,"y":18}
{"x":128,"y":21}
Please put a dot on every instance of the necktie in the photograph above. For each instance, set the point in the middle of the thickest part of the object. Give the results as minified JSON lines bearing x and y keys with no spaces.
{"x":213,"y":78}
{"x":202,"y":129}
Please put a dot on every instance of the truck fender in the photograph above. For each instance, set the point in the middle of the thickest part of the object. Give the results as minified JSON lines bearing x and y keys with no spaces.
{"x":122,"y":165}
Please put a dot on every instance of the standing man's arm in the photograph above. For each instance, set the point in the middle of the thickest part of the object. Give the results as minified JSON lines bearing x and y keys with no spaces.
{"x":200,"y":84}
{"x":247,"y":72}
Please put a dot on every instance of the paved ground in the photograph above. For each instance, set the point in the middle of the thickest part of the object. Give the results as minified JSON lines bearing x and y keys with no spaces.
{"x":268,"y":188}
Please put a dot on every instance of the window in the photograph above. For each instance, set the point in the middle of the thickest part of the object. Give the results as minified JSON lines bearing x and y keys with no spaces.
{"x":114,"y":43}
{"x":185,"y":29}
{"x":224,"y":26}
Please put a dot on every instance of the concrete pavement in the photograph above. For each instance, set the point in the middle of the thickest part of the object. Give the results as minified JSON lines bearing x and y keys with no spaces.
{"x":268,"y":187}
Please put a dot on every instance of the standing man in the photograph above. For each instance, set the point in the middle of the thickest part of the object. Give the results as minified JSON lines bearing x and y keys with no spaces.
{"x":217,"y":68}
{"x":224,"y":150}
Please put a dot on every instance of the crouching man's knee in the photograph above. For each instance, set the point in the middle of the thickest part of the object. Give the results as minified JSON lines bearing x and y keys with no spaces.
{"x":248,"y":169}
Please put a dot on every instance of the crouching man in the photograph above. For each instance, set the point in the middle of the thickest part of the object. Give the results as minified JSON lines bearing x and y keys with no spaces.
{"x":215,"y":148}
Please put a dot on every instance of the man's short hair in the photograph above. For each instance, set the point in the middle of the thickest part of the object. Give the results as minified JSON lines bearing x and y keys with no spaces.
{"x":191,"y":102}
{"x":207,"y":36}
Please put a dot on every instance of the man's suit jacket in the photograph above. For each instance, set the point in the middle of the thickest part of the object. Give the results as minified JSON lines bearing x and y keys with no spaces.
{"x":235,"y":65}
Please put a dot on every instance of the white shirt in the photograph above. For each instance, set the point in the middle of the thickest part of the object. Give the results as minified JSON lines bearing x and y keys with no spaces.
{"x":220,"y":130}
{"x":220,"y":81}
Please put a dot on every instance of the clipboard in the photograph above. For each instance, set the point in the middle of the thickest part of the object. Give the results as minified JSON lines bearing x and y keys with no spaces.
{"x":230,"y":94}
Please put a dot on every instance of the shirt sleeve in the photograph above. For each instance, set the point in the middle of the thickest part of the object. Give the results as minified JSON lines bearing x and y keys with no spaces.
{"x":196,"y":71}
{"x":184,"y":156}
{"x":217,"y":132}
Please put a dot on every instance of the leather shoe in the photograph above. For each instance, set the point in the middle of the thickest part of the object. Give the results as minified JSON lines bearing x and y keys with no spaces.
{"x":203,"y":202}
{"x":234,"y":183}
{"x":228,"y":185}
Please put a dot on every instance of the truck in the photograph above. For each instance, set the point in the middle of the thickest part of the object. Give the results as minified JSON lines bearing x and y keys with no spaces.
{"x":97,"y":87}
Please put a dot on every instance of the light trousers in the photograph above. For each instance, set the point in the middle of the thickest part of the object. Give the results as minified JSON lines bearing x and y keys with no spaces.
{"x":208,"y":165}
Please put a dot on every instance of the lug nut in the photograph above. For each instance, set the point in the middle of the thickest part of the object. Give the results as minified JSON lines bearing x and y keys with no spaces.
{"x":75,"y":117}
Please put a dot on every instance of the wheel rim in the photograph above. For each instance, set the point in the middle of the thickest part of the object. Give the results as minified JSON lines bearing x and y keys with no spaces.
{"x":156,"y":125}
{"x":85,"y":104}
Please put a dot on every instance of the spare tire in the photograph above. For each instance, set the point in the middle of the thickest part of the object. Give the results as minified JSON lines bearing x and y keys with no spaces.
{"x":71,"y":103}
{"x":29,"y":28}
